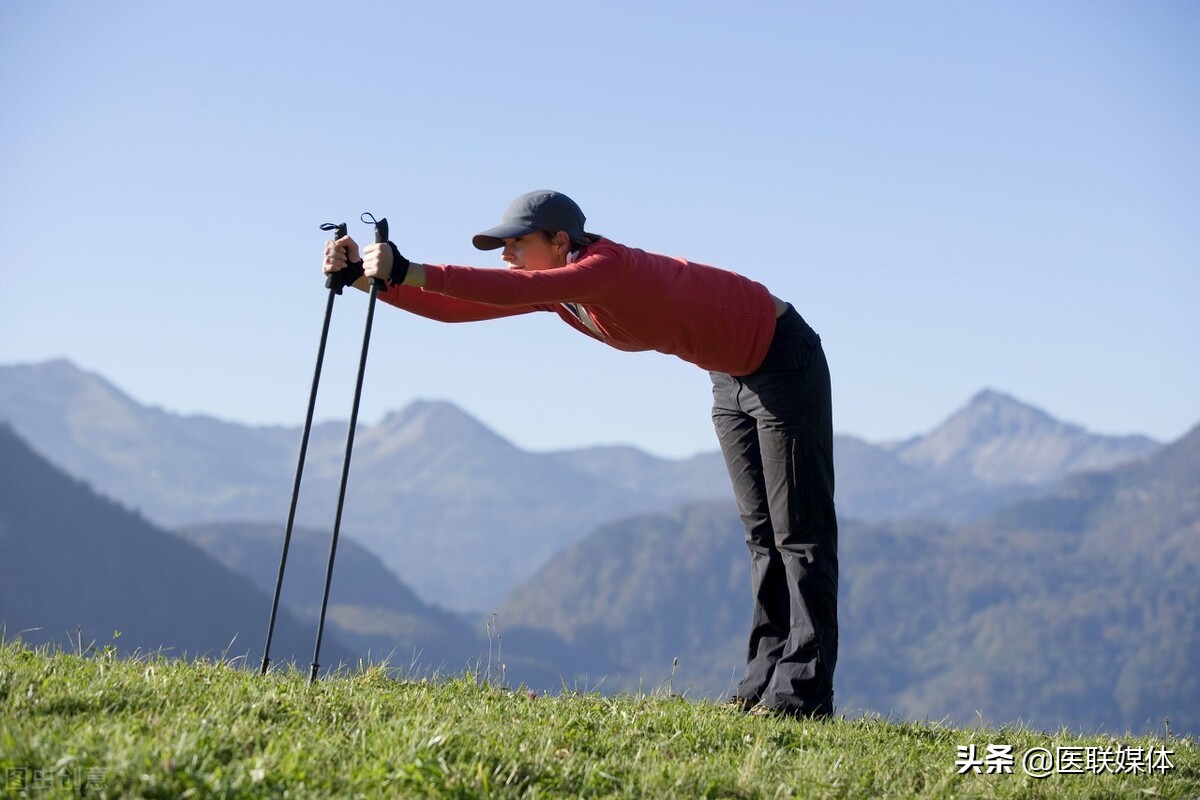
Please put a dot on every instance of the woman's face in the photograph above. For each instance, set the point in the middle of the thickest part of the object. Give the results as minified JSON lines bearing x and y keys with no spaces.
{"x":535,"y":251}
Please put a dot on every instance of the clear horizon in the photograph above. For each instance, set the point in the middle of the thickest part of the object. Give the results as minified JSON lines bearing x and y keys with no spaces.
{"x":528,"y":448}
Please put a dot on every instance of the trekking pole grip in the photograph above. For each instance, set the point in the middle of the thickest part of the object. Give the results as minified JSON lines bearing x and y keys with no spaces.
{"x":381,"y":237}
{"x":338,"y":280}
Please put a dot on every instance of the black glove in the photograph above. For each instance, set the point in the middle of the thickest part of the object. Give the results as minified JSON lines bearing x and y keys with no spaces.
{"x":399,"y":266}
{"x":344,"y":277}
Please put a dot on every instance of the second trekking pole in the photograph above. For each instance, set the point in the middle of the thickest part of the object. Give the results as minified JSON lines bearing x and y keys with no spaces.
{"x":335,"y":283}
{"x":381,"y":236}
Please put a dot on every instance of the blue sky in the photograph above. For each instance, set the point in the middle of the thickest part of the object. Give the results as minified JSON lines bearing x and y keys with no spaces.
{"x":955,"y":195}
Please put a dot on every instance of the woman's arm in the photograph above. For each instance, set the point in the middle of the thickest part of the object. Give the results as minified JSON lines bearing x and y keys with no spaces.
{"x":444,"y":308}
{"x":588,"y":280}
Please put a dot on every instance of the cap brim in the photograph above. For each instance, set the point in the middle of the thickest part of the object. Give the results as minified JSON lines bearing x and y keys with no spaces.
{"x":493,"y":239}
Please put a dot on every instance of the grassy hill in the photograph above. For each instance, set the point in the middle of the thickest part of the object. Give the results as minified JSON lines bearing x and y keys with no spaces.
{"x":463,"y":516}
{"x":93,"y":724}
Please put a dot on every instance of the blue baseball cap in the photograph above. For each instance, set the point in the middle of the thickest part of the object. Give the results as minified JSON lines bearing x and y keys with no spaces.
{"x":541,"y":210}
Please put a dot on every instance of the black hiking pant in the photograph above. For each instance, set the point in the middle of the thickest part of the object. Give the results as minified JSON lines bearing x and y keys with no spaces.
{"x":776,"y":432}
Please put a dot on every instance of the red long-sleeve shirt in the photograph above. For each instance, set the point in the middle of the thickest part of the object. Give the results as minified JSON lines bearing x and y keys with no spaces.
{"x":713,"y":318}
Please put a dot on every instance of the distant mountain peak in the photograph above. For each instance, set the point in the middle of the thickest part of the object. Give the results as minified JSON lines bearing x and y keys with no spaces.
{"x":991,"y":412}
{"x":998,"y":440}
{"x":58,"y":372}
{"x":434,"y":410}
{"x":433,"y":420}
{"x":431,"y":414}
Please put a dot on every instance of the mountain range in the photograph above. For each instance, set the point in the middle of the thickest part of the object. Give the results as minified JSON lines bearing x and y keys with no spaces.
{"x":1050,"y":595}
{"x":474,"y":515}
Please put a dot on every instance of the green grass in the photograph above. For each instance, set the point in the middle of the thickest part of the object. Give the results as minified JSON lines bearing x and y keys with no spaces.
{"x":96,"y":725}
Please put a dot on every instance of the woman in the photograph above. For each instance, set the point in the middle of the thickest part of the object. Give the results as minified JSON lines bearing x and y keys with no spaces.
{"x":771,"y":402}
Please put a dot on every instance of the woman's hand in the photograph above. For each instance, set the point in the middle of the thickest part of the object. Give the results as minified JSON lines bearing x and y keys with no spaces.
{"x":338,"y":254}
{"x":342,"y":265}
{"x":377,"y":261}
{"x":386,"y":262}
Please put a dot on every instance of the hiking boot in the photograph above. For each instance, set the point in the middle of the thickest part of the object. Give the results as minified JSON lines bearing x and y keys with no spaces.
{"x":741,"y":705}
{"x":767,"y":712}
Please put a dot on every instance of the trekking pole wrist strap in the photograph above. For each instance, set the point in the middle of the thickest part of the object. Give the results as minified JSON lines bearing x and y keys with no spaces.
{"x":345,"y":277}
{"x":399,"y":266}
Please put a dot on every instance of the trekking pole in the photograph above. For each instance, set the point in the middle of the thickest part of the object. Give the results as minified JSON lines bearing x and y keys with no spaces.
{"x":381,"y":236}
{"x":335,"y":284}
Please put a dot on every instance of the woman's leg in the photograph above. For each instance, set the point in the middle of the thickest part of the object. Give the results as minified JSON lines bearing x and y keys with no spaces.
{"x":770,"y":617}
{"x":776,"y":432}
